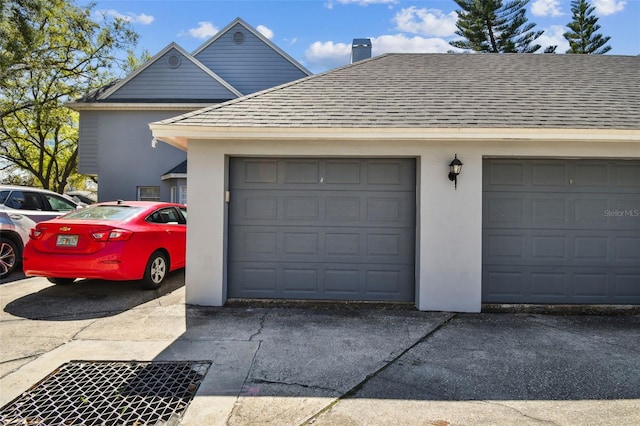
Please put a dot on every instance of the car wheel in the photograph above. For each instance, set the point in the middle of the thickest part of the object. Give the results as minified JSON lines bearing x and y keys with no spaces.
{"x":8,"y":257}
{"x":61,"y":281}
{"x":156,"y":271}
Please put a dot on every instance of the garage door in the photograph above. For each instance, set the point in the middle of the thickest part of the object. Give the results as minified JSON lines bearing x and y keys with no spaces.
{"x":561,"y":231}
{"x":338,"y":229}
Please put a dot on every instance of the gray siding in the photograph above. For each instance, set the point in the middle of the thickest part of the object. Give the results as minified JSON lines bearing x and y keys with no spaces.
{"x":341,"y":229}
{"x":250,"y":66}
{"x":127,"y":159}
{"x":161,"y":81}
{"x":88,"y":146}
{"x":561,"y":231}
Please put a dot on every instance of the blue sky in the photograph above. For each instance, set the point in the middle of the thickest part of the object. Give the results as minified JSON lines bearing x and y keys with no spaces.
{"x":318,"y":33}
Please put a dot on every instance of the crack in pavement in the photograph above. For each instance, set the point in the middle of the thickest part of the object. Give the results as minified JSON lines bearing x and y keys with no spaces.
{"x":246,"y":378}
{"x":27,"y":357}
{"x":260,"y":328}
{"x":369,"y":377}
{"x":550,"y":422}
{"x":273,"y":382}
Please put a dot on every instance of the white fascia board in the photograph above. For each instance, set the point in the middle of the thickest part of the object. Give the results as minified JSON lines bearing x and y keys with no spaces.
{"x":178,"y":135}
{"x":173,"y":176}
{"x":255,"y":33}
{"x":135,"y":106}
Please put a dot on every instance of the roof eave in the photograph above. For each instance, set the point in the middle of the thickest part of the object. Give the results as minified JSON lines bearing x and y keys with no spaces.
{"x":179,"y":135}
{"x":133,"y":106}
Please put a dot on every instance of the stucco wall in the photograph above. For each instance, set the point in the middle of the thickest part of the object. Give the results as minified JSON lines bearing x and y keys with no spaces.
{"x":449,"y":222}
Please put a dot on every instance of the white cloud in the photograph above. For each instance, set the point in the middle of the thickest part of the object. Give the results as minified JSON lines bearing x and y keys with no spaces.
{"x":426,"y":21}
{"x":322,"y":56}
{"x":553,"y":36}
{"x":204,"y":30}
{"x":330,"y":3}
{"x":546,"y":8}
{"x":265,"y":31}
{"x":609,"y":7}
{"x":128,"y":17}
{"x":402,"y":44}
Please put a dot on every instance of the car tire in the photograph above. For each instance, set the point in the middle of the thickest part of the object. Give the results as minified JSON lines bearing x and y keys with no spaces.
{"x":9,"y":257}
{"x":156,"y":271}
{"x":61,"y":281}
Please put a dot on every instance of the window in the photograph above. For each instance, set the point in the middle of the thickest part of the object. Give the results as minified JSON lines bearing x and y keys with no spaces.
{"x":24,"y":201}
{"x":167,"y":215}
{"x":149,"y":193}
{"x":59,"y":204}
{"x":119,"y":212}
{"x":179,"y":194}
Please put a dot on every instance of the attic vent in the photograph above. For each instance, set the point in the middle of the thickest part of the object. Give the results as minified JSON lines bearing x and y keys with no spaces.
{"x":238,"y":37}
{"x":173,"y":61}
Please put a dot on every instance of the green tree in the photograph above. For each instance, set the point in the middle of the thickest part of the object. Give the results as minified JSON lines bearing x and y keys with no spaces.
{"x":493,"y":26}
{"x":51,"y":51}
{"x":583,"y":38}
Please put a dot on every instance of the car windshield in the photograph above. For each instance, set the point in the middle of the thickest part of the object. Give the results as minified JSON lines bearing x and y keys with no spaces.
{"x":104,"y":213}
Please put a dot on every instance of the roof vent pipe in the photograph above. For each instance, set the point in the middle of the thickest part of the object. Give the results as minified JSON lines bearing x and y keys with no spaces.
{"x":360,"y":49}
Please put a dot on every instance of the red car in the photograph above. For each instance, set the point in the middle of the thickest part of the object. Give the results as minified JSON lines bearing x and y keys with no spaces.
{"x":119,"y":240}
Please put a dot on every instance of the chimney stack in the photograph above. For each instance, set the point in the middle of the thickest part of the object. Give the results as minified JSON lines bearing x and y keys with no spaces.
{"x":360,"y":49}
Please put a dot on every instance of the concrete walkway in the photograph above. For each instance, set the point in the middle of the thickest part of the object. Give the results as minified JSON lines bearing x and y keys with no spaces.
{"x":334,"y":365}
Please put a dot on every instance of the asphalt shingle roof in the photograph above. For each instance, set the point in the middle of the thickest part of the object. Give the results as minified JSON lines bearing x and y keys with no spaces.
{"x":447,"y":91}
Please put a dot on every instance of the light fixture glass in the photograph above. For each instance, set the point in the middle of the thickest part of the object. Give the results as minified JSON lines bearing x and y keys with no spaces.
{"x":455,"y":167}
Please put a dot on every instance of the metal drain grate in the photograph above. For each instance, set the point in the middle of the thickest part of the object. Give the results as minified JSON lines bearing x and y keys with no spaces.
{"x":109,"y":393}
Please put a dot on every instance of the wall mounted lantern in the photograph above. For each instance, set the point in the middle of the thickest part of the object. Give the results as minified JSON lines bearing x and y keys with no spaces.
{"x":455,"y":168}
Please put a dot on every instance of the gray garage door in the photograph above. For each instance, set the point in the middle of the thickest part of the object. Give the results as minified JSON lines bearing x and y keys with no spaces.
{"x":337,"y":229}
{"x":561,"y":231}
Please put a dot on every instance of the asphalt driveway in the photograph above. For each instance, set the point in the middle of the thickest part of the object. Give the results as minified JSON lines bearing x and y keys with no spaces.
{"x":336,"y":364}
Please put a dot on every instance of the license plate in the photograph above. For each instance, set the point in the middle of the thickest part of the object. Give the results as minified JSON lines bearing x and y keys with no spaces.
{"x":67,"y":241}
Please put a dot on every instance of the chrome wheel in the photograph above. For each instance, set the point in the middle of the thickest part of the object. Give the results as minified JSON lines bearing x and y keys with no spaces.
{"x":8,"y":257}
{"x":156,"y":271}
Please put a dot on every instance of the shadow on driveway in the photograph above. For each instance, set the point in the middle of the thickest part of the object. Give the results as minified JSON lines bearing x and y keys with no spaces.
{"x":87,"y":299}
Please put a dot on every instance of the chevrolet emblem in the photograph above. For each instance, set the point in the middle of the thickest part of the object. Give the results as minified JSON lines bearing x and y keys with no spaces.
{"x":65,"y":228}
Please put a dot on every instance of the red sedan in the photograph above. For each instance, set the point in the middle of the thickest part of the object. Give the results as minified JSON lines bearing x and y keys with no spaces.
{"x":119,"y":240}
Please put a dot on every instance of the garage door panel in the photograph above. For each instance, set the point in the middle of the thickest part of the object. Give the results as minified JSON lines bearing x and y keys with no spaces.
{"x":549,"y":173}
{"x":323,"y":228}
{"x":627,"y":176}
{"x":259,"y":279}
{"x":553,"y":176}
{"x":257,"y":171}
{"x":323,"y":208}
{"x":548,"y":285}
{"x":627,"y":287}
{"x":558,"y":247}
{"x":540,"y":284}
{"x":321,"y":282}
{"x":537,"y":210}
{"x":568,"y":231}
{"x":322,"y":174}
{"x":323,"y":244}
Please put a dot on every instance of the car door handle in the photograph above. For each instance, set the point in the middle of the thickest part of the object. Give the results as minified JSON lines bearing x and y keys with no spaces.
{"x":16,"y":216}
